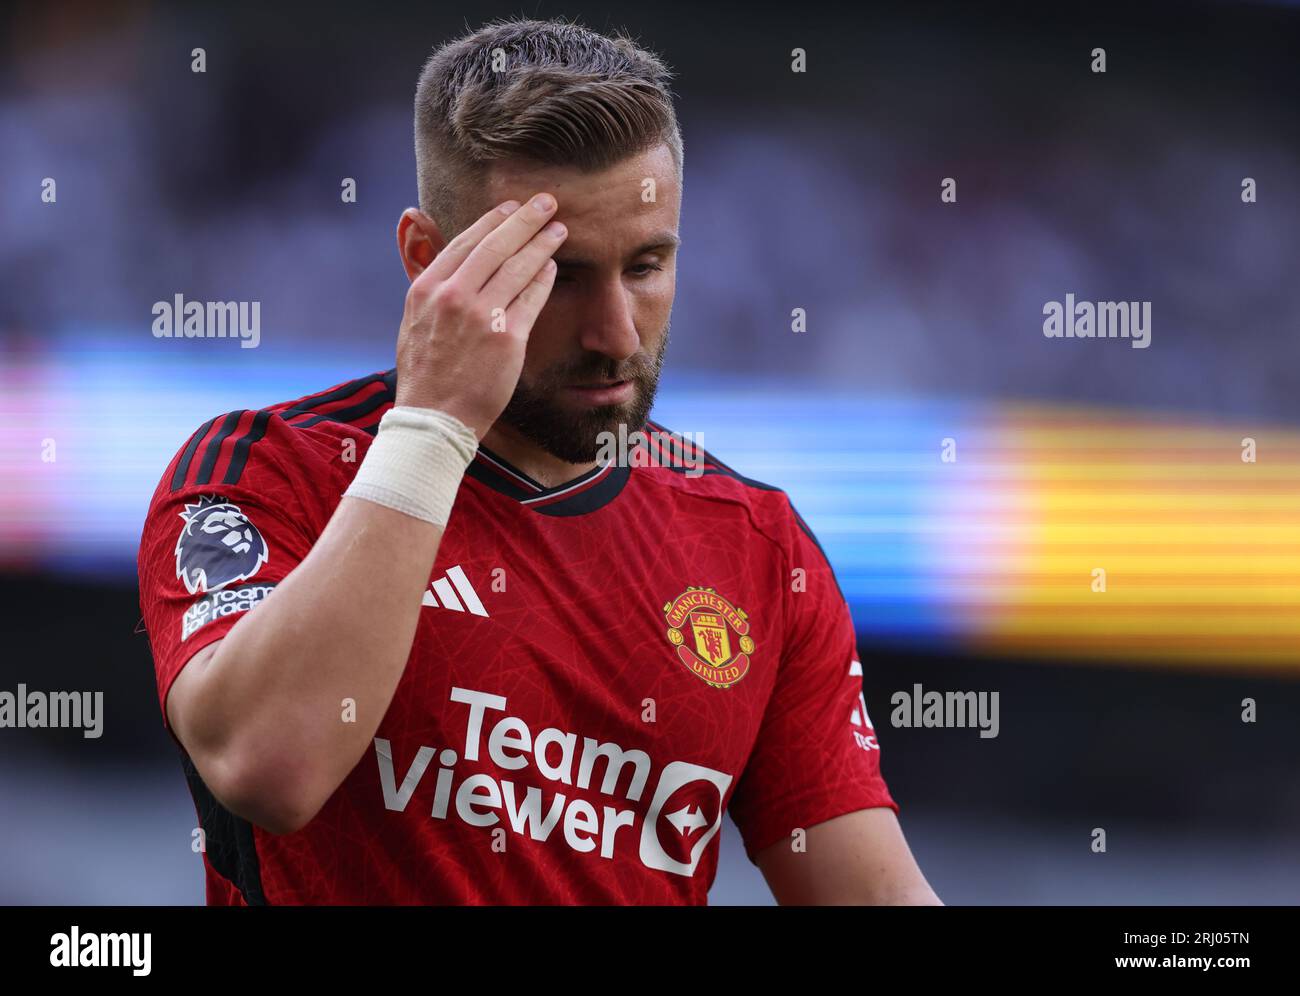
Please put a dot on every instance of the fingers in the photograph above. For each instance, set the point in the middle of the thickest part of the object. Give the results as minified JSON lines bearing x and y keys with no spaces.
{"x":529,"y":302}
{"x":503,"y":241}
{"x":455,"y":252}
{"x":504,"y":255}
{"x":517,"y":272}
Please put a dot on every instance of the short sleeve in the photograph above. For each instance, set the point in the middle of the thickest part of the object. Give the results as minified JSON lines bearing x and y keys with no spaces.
{"x":211,"y":551}
{"x":816,"y":756}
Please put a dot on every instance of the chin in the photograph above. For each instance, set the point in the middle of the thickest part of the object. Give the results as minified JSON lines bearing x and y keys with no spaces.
{"x":574,"y":434}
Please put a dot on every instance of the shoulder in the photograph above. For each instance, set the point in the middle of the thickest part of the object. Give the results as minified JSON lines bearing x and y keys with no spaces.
{"x":301,"y":434}
{"x":698,"y":478}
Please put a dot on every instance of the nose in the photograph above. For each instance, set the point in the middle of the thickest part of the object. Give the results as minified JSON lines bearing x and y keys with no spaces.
{"x":607,"y":321}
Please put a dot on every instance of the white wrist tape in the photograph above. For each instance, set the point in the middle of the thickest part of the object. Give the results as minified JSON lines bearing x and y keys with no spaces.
{"x":416,"y":463}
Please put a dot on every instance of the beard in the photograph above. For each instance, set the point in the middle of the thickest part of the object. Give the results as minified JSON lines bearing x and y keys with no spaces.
{"x":575,"y":436}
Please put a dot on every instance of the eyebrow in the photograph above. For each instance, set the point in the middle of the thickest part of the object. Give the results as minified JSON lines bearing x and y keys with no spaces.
{"x":660,"y":241}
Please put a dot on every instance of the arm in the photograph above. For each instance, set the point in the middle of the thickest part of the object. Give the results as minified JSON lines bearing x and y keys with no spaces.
{"x":860,"y":858}
{"x":259,"y":712}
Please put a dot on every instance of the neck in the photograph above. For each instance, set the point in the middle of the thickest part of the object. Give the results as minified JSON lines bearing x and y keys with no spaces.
{"x":548,"y":470}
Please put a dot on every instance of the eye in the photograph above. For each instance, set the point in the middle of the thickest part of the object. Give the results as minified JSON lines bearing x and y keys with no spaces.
{"x":649,"y":267}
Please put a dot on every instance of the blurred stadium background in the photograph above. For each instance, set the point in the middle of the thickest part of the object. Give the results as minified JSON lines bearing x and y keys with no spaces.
{"x":816,"y":190}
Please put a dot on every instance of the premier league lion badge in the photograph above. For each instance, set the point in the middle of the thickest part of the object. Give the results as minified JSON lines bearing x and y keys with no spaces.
{"x":217,"y":545}
{"x":710,"y":621}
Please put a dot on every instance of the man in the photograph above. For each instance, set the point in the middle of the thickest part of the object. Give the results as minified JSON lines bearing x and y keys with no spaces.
{"x":484,"y":665}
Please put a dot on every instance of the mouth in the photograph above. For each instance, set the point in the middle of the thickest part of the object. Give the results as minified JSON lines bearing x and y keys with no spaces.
{"x":610,"y":392}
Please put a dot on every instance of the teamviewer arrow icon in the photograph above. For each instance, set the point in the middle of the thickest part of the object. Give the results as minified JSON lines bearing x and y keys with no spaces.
{"x":687,"y":819}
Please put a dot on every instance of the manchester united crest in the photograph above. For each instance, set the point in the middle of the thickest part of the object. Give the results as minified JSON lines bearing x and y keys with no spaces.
{"x":711,"y":636}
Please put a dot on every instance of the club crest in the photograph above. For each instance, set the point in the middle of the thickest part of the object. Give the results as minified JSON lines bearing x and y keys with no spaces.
{"x":710,"y":635}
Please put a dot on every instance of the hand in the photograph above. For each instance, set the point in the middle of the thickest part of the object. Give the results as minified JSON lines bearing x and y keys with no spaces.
{"x":469,"y":314}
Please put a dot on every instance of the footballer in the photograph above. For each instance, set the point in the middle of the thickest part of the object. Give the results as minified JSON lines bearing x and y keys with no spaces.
{"x":419,"y":645}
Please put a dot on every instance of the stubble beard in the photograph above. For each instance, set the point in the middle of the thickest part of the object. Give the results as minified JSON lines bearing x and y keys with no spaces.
{"x":575,"y":436}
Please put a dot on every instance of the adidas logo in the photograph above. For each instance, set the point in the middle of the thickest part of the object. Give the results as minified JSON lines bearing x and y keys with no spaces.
{"x":855,"y":670}
{"x":443,"y":592}
{"x":866,"y":740}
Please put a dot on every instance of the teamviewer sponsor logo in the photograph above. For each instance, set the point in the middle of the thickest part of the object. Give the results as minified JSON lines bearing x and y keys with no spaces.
{"x":444,"y":591}
{"x":684,"y":813}
{"x":678,"y":779}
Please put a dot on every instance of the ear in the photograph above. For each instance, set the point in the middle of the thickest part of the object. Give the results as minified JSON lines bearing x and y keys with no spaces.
{"x":418,"y":241}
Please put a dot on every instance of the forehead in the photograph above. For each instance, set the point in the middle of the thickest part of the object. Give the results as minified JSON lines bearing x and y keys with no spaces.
{"x":600,"y":206}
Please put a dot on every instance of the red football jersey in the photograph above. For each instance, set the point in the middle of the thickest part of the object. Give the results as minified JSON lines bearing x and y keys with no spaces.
{"x":600,"y":670}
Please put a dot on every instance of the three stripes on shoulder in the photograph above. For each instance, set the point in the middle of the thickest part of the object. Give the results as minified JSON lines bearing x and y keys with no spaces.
{"x":443,"y":593}
{"x":855,"y":671}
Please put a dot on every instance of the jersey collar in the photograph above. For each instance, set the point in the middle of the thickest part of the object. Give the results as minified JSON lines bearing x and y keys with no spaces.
{"x":594,"y":489}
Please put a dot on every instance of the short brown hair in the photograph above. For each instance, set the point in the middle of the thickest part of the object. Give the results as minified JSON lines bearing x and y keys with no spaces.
{"x":564,"y":96}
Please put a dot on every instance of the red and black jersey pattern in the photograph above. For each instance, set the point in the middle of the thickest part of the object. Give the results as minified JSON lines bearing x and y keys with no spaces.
{"x":218,"y":452}
{"x":600,"y":669}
